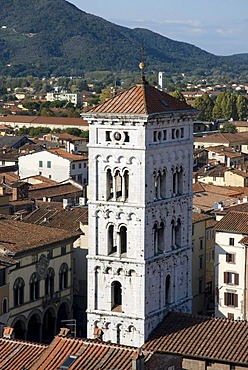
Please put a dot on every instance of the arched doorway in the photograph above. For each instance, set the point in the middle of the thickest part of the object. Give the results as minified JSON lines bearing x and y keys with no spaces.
{"x":48,"y":325}
{"x":63,"y":314}
{"x":34,"y":326}
{"x":19,"y":330}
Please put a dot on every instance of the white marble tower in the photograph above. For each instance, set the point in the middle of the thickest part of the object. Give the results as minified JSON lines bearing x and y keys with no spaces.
{"x":140,"y":202}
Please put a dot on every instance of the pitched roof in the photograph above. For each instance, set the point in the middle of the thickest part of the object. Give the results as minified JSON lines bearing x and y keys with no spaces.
{"x":234,"y":221}
{"x":201,"y":337}
{"x":90,"y":355}
{"x":53,"y":191}
{"x":198,"y":217}
{"x":54,"y":215}
{"x":223,"y":137}
{"x":141,"y":99}
{"x":17,"y":237}
{"x":43,"y":120}
{"x":16,"y":354}
{"x":67,"y":155}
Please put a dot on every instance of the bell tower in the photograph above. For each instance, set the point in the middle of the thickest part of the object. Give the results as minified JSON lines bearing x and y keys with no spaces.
{"x":140,"y":203}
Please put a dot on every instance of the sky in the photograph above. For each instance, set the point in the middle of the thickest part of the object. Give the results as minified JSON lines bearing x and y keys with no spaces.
{"x":217,"y":26}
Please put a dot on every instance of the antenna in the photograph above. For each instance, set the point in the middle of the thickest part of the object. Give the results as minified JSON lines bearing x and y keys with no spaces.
{"x":142,"y":63}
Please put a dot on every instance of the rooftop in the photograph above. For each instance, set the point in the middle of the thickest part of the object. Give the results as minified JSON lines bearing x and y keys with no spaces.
{"x":201,"y":337}
{"x":17,"y":237}
{"x":234,"y":221}
{"x":141,"y":99}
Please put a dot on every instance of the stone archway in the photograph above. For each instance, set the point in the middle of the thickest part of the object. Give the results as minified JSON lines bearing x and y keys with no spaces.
{"x":19,"y":329}
{"x":63,"y":313}
{"x":48,"y":325}
{"x":34,"y":328}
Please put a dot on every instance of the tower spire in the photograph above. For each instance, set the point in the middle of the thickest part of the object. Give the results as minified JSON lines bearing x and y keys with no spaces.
{"x":142,"y":64}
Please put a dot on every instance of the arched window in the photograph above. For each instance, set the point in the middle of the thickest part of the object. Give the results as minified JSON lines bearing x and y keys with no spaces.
{"x":167,"y":289}
{"x":123,"y":239}
{"x":63,"y":276}
{"x":118,"y":333}
{"x":5,"y":305}
{"x":49,"y":281}
{"x":158,"y":238}
{"x":110,"y":236}
{"x":117,"y":185}
{"x":155,"y":239}
{"x":34,"y":287}
{"x":126,"y":185}
{"x":97,"y":270}
{"x":109,"y":185}
{"x":180,"y":181}
{"x":178,"y":228}
{"x":163,"y":185}
{"x":116,"y":296}
{"x":18,"y":291}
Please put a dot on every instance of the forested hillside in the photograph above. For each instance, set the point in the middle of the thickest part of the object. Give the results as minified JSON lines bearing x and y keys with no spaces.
{"x":53,"y":37}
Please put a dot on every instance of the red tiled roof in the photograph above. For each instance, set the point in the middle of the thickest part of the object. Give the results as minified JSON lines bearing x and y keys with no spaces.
{"x":16,"y":236}
{"x":53,"y":191}
{"x":201,"y":337}
{"x":141,"y":99}
{"x":197,"y":217}
{"x":67,"y":155}
{"x":54,"y":215}
{"x":42,"y":120}
{"x":224,"y":137}
{"x":91,"y":355}
{"x":19,"y":355}
{"x":234,"y":221}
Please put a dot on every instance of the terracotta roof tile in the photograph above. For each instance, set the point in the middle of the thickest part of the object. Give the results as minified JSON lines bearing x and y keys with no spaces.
{"x":198,"y":217}
{"x":202,"y":337}
{"x":141,"y":99}
{"x":223,"y":137}
{"x":16,"y":236}
{"x":67,"y":155}
{"x":54,"y":191}
{"x":234,"y":221}
{"x":17,"y":355}
{"x":91,"y":355}
{"x":42,"y":120}
{"x":53,"y":215}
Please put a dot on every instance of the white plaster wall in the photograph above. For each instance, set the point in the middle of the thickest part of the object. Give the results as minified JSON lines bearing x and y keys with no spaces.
{"x":222,"y":247}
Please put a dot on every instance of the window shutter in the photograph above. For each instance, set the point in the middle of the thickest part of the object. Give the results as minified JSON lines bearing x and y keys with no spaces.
{"x":225,"y":299}
{"x":225,"y":277}
{"x":236,"y":279}
{"x":235,"y":300}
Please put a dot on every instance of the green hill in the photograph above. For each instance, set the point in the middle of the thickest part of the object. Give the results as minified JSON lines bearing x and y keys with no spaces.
{"x":53,"y":37}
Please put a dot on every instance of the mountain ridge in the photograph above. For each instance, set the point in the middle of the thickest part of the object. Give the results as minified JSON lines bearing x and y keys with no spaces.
{"x":54,"y":37}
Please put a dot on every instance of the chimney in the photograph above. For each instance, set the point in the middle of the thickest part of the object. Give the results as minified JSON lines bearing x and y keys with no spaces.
{"x":2,"y":189}
{"x":64,"y":332}
{"x":138,"y":361}
{"x":8,"y":332}
{"x":98,"y":333}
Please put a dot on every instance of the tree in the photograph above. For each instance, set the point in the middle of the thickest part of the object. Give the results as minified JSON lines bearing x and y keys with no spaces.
{"x":241,"y":108}
{"x":105,"y":95}
{"x":205,"y":105}
{"x":178,"y":95}
{"x":73,"y":131}
{"x":228,"y":127}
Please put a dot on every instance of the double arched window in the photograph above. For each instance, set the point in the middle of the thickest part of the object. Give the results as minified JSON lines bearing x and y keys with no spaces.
{"x":159,"y":184}
{"x":176,"y":227}
{"x":49,"y":281}
{"x":63,"y":276}
{"x":117,"y":240}
{"x":158,"y":238}
{"x":34,"y":287}
{"x":117,"y":185}
{"x":177,"y":187}
{"x":18,"y":292}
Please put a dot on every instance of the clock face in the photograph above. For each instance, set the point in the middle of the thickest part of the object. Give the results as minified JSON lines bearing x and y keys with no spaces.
{"x":117,"y":136}
{"x":42,"y":266}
